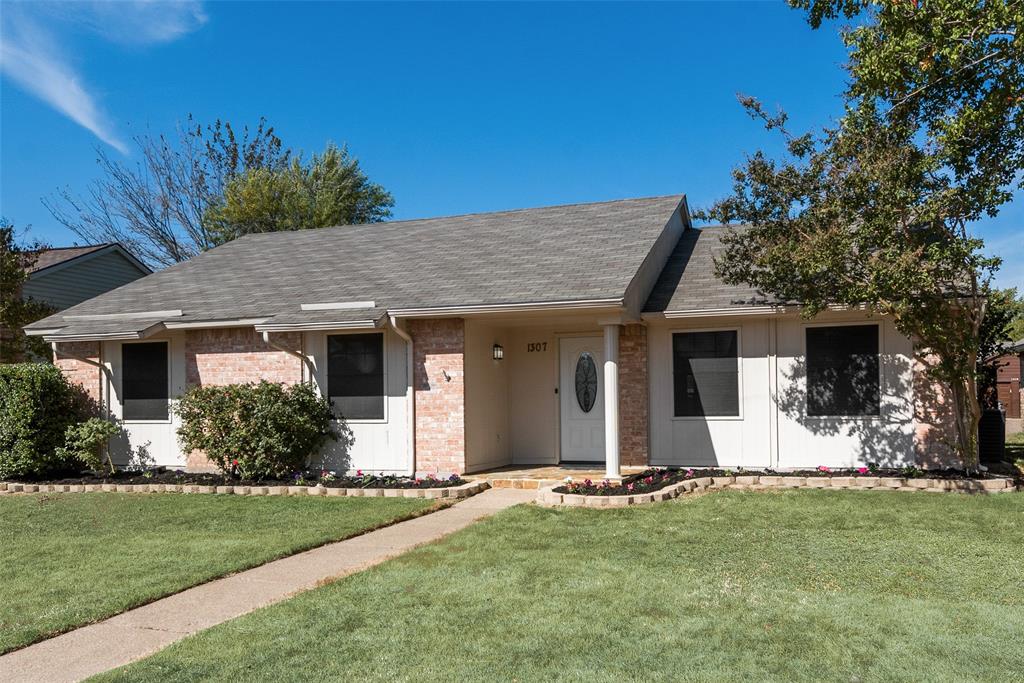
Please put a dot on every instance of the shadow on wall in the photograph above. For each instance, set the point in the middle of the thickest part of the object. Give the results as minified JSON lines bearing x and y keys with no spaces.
{"x":872,"y":397}
{"x":934,"y":418}
{"x":336,"y":455}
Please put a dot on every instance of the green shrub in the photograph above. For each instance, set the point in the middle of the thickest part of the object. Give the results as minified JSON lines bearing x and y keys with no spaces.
{"x":37,"y":405}
{"x":255,"y":431}
{"x":86,"y":442}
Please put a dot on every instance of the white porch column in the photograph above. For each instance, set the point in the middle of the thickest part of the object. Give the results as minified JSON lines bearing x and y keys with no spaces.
{"x":611,"y":402}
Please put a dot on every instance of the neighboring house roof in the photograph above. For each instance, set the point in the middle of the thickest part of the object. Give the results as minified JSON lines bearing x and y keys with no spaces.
{"x":688,"y":281}
{"x":67,"y":276}
{"x":55,"y":256}
{"x":577,"y":254}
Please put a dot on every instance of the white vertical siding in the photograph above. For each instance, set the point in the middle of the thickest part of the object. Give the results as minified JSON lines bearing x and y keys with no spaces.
{"x":727,"y":441}
{"x":773,"y":429}
{"x":158,"y":438}
{"x":885,"y":439}
{"x":379,"y":446}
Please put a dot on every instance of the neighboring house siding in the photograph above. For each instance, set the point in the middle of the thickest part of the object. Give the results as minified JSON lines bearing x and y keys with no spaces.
{"x":439,"y":382}
{"x":66,"y":285}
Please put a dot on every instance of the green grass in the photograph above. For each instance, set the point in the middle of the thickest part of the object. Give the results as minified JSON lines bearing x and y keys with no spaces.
{"x":1015,"y":449}
{"x":799,"y":585}
{"x":71,"y":559}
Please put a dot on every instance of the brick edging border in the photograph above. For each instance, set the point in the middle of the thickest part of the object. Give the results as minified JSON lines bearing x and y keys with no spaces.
{"x":547,"y":496}
{"x":466,"y":490}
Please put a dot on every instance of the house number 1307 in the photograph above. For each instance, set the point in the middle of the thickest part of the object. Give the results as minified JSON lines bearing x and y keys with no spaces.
{"x":536,"y":347}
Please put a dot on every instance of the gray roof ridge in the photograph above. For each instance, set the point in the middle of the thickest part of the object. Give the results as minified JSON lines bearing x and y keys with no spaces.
{"x":467,"y":215}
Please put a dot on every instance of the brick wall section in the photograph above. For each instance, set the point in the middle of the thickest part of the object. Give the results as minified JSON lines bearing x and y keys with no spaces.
{"x":233,"y":356}
{"x":934,"y":423}
{"x":633,"y":395}
{"x":439,"y":348}
{"x":77,"y":372}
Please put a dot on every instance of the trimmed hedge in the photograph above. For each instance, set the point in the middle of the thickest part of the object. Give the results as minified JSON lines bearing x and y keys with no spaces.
{"x":255,"y":431}
{"x":37,"y":406}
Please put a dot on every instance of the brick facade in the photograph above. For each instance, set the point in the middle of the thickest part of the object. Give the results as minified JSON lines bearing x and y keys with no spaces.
{"x":86,"y":375}
{"x":230,"y":356}
{"x":440,"y":394}
{"x":216,"y":357}
{"x":633,"y":395}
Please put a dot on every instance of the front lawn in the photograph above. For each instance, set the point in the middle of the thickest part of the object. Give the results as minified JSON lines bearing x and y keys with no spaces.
{"x":71,"y":559}
{"x":792,"y":585}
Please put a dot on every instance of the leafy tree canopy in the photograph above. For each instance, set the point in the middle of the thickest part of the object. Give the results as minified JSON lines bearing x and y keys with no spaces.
{"x":877,"y":209}
{"x":206,"y":184}
{"x":330,"y":190}
{"x":16,"y":310}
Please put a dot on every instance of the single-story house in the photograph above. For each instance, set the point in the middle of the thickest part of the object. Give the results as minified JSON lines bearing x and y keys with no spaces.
{"x":593,"y":333}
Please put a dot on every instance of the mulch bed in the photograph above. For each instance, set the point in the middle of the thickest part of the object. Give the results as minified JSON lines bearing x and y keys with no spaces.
{"x":657,"y":478}
{"x":165,"y":476}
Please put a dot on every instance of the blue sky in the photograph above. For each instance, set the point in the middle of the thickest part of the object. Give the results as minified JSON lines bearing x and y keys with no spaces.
{"x":454,"y":108}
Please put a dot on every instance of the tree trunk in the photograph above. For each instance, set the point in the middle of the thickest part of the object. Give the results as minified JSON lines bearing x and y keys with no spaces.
{"x":967,"y":411}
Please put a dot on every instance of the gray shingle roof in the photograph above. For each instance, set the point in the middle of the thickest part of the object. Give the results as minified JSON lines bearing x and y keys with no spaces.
{"x":559,"y":253}
{"x":688,"y":281}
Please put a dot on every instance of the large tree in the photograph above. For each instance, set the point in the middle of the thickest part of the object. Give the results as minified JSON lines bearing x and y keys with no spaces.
{"x":877,"y":210}
{"x":16,"y":310}
{"x":331,"y":189}
{"x":156,"y":207}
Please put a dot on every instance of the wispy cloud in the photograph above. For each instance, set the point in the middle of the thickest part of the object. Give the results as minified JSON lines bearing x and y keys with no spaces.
{"x":30,"y":35}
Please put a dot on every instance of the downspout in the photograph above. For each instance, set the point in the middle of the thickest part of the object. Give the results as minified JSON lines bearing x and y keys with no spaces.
{"x":291,"y":352}
{"x":409,"y":393}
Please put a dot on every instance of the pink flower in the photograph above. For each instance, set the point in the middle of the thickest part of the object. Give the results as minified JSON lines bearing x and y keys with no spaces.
{"x":689,"y":473}
{"x":822,"y":468}
{"x":629,"y":487}
{"x":862,"y":470}
{"x":359,"y":473}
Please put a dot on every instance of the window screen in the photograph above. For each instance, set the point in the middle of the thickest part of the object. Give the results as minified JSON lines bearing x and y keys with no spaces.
{"x":705,"y":374}
{"x":842,"y":370}
{"x":144,"y":381}
{"x":355,"y":375}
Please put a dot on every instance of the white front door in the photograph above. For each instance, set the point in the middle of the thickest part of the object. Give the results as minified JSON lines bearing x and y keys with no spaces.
{"x":581,"y":387}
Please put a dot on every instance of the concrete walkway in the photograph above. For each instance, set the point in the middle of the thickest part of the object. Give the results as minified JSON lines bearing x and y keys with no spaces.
{"x":142,"y":631}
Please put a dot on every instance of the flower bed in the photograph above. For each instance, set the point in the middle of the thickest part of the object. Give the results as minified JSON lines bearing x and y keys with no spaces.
{"x":323,"y":478}
{"x":657,"y":478}
{"x":665,"y":484}
{"x":649,"y":480}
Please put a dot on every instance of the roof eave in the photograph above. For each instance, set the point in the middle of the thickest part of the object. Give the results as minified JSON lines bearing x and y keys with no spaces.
{"x":525,"y":307}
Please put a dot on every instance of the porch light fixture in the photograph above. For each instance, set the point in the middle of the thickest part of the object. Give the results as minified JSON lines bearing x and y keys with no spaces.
{"x":497,"y":352}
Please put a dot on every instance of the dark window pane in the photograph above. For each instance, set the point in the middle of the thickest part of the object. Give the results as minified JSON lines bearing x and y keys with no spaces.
{"x":842,"y":370}
{"x":705,"y":374}
{"x":144,"y":381}
{"x":355,"y":375}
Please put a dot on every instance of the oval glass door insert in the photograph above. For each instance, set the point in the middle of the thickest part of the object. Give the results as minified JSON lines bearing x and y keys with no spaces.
{"x":586,"y":382}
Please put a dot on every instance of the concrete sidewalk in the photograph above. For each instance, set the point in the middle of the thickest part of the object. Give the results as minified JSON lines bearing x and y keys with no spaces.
{"x":142,"y":631}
